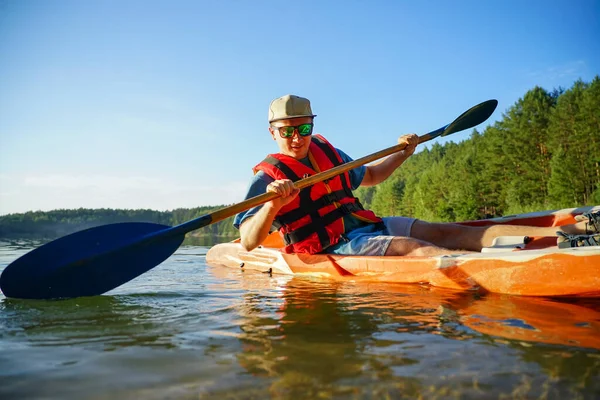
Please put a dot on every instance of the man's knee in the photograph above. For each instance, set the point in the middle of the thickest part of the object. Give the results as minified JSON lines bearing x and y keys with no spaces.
{"x":403,"y":246}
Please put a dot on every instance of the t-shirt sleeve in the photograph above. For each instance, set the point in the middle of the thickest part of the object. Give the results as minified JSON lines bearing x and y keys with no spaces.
{"x":357,"y":174}
{"x":258,"y":185}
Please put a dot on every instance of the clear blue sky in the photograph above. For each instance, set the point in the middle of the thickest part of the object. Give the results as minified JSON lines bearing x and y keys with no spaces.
{"x":163,"y":104}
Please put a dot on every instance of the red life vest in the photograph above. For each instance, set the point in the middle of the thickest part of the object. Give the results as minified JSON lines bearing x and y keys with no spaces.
{"x":313,"y":220}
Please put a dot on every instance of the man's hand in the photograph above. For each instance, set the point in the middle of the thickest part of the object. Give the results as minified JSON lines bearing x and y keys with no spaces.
{"x":411,"y":140}
{"x":286,"y":189}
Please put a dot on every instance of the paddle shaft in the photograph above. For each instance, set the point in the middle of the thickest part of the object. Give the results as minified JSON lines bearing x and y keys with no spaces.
{"x":227,"y":212}
{"x":469,"y":119}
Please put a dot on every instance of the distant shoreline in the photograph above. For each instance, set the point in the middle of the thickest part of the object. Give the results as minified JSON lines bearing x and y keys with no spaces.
{"x":49,"y":225}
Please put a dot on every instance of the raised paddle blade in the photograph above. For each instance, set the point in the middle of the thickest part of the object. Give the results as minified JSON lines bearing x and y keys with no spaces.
{"x":472,"y":117}
{"x":89,"y":262}
{"x":469,"y":119}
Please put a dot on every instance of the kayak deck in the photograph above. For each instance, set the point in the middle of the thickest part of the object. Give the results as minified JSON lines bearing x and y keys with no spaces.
{"x":537,"y":268}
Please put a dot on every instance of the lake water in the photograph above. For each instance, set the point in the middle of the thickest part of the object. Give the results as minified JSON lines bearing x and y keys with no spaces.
{"x":186,"y":330}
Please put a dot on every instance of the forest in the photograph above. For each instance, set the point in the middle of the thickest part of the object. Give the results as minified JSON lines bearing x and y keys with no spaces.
{"x":543,"y":154}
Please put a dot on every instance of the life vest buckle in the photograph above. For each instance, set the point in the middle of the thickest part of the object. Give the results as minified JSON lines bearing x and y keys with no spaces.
{"x":348,"y":208}
{"x":330,"y":198}
{"x":287,"y":238}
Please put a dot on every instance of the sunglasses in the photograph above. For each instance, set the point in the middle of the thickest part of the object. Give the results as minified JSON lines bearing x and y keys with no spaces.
{"x":287,"y":132}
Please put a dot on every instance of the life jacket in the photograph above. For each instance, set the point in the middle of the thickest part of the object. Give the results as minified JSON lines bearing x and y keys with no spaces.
{"x":313,"y":220}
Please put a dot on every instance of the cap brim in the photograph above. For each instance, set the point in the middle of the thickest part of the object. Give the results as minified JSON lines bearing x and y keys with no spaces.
{"x":295,"y":116}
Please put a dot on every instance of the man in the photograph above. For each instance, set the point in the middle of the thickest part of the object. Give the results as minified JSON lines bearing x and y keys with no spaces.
{"x":327,"y":218}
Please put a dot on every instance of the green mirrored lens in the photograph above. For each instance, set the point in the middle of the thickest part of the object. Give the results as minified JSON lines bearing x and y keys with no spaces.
{"x":305,"y":129}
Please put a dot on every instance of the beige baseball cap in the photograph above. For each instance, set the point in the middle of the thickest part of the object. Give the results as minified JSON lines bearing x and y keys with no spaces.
{"x":289,"y":106}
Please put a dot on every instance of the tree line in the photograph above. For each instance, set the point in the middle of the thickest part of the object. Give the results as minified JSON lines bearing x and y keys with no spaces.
{"x":57,"y":223}
{"x":543,"y":154}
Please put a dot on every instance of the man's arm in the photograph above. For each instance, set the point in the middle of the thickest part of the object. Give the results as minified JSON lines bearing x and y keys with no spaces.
{"x":255,"y":229}
{"x":379,"y":172}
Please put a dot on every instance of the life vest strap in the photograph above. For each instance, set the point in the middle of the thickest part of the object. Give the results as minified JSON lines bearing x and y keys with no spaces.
{"x":327,"y":150}
{"x":311,"y":205}
{"x":305,"y":231}
{"x":318,"y":225}
{"x":287,"y":171}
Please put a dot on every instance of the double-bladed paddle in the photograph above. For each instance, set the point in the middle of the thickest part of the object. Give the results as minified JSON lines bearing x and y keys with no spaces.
{"x":96,"y":260}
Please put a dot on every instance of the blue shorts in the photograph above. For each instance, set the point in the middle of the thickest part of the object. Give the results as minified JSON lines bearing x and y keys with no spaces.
{"x":370,"y":241}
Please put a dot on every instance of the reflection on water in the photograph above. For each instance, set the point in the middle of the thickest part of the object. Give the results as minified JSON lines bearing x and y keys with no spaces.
{"x":101,"y":323}
{"x":185,"y":330}
{"x":410,"y":341}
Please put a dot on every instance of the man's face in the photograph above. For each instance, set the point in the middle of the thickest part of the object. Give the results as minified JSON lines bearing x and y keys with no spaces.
{"x":295,"y":146}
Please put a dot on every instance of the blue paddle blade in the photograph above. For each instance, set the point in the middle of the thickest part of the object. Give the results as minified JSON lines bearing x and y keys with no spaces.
{"x":89,"y":262}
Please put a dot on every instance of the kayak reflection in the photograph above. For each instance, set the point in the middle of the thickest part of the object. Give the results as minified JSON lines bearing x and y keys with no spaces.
{"x":326,"y":332}
{"x":570,"y":322}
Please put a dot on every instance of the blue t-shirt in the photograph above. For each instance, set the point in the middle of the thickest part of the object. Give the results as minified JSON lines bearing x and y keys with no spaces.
{"x":260,"y":181}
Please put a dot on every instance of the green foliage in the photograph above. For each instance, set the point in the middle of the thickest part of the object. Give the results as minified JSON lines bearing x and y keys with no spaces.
{"x":575,"y":133}
{"x":544,"y":153}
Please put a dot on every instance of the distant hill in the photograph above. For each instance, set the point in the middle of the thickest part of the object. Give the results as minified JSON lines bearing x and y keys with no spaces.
{"x":53,"y":224}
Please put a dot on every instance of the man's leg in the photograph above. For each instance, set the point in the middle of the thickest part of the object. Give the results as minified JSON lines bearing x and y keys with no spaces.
{"x":406,"y":246}
{"x":455,"y":236}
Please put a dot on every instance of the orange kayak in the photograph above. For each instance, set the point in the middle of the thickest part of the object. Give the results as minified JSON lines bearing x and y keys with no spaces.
{"x":513,"y":265}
